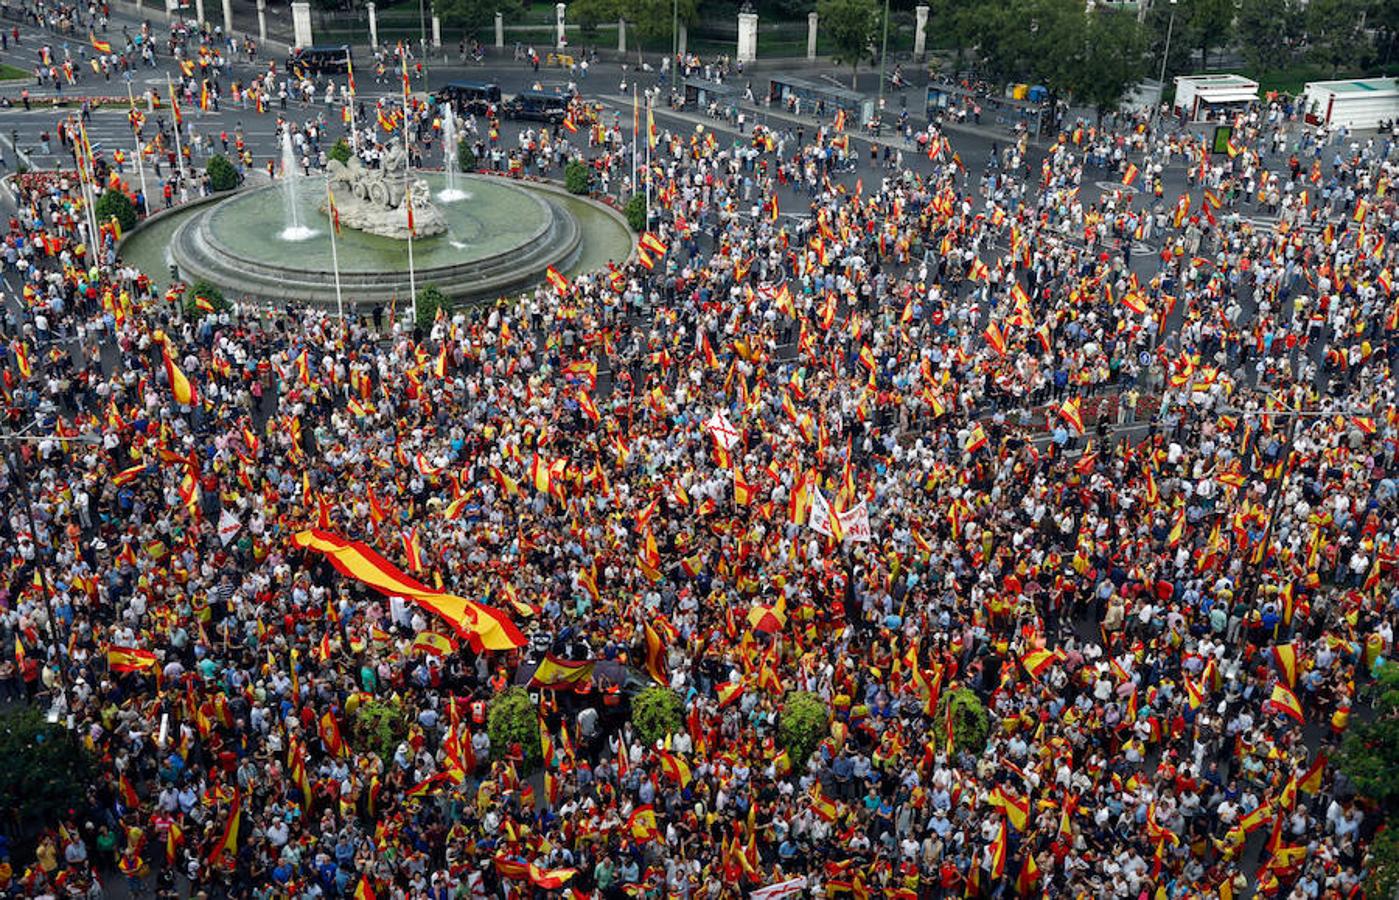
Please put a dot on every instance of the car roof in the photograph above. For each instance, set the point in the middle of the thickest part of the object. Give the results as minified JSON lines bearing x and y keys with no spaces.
{"x":544,"y":95}
{"x":327,"y":48}
{"x":472,"y":85}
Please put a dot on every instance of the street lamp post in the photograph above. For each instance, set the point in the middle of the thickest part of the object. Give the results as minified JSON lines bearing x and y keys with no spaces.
{"x":1170,"y":26}
{"x":883,"y":52}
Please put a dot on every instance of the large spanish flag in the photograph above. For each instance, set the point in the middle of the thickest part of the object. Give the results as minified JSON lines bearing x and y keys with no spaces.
{"x":129,"y":659}
{"x":483,"y":627}
{"x":184,"y":391}
{"x":554,"y":672}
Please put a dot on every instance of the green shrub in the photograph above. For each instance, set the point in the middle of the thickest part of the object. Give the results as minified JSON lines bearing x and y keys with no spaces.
{"x":204,"y":289}
{"x":635,"y":211}
{"x":46,"y":771}
{"x":1382,"y":862}
{"x":656,"y":712}
{"x":341,"y":152}
{"x":113,"y":204}
{"x":969,"y":723}
{"x":222,"y":175}
{"x":575,"y":177}
{"x":466,"y":157}
{"x":511,"y":720}
{"x":802,"y":724}
{"x":1370,"y":750}
{"x":379,"y":727}
{"x":430,"y":300}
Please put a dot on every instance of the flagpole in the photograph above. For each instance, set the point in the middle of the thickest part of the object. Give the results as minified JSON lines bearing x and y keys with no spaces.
{"x":179,"y":151}
{"x":136,"y":141}
{"x":635,"y":116}
{"x":334,"y":251}
{"x":408,"y":192}
{"x":89,"y":198}
{"x":648,"y":160}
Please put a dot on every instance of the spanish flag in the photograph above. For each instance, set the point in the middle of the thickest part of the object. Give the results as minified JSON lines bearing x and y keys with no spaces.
{"x":554,"y":672}
{"x":129,"y":474}
{"x":1029,"y":875}
{"x":676,"y":769}
{"x":1311,"y":782}
{"x":229,"y":843}
{"x":330,"y":734}
{"x":1285,"y":657}
{"x":1130,"y":175}
{"x":413,"y":550}
{"x":102,"y":47}
{"x":655,"y":656}
{"x":185,"y":392}
{"x":1037,"y":662}
{"x":997,"y":852}
{"x":995,"y":338}
{"x":557,"y":280}
{"x":129,"y":659}
{"x":433,"y":643}
{"x":1283,"y":700}
{"x":641,"y":825}
{"x":1071,"y":412}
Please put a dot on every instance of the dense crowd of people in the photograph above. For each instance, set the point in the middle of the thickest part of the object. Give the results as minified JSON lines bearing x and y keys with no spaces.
{"x":1075,"y":508}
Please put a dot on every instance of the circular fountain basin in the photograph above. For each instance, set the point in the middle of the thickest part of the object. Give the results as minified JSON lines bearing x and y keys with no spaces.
{"x":499,"y":239}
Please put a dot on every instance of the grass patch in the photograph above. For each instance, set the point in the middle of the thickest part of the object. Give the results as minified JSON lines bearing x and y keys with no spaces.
{"x":11,"y":73}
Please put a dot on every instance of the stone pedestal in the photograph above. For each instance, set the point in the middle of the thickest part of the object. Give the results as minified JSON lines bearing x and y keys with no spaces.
{"x":373,"y":10}
{"x":227,"y":17}
{"x":747,"y":49}
{"x":621,"y":35}
{"x":560,"y":38}
{"x":811,"y":19}
{"x":262,"y":21}
{"x":301,"y":24}
{"x":682,"y":39}
{"x":436,"y":32}
{"x":499,"y":30}
{"x":920,"y":30}
{"x":199,"y":11}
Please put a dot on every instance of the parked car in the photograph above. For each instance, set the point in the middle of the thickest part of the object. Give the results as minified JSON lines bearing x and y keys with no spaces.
{"x":327,"y":60}
{"x":542,"y":106}
{"x":469,"y":97}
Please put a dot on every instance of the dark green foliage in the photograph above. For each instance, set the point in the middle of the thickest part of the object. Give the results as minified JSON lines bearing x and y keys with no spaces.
{"x":575,"y":177}
{"x":802,"y":725}
{"x":635,"y":211}
{"x":466,"y":157}
{"x":430,"y":300}
{"x":115,"y":205}
{"x":341,"y":151}
{"x":46,"y":771}
{"x":512,"y":720}
{"x":852,"y":26}
{"x":656,"y":712}
{"x":969,"y":723}
{"x":378,"y":727}
{"x":222,"y":175}
{"x":209,"y":292}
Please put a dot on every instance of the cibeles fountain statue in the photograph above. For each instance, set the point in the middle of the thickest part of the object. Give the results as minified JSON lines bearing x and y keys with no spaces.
{"x":374,"y":200}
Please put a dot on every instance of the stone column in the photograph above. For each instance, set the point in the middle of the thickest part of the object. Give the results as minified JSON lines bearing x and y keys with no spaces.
{"x":622,"y":35}
{"x":262,"y":21}
{"x":747,"y":49}
{"x":227,"y":17}
{"x":920,"y":31}
{"x":373,"y":10}
{"x":301,"y":23}
{"x":199,"y":11}
{"x":499,"y":30}
{"x":436,"y":32}
{"x":682,"y":38}
{"x":811,"y":19}
{"x":560,"y":38}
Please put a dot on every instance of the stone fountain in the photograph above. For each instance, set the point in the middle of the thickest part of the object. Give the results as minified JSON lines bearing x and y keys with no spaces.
{"x":376,"y":200}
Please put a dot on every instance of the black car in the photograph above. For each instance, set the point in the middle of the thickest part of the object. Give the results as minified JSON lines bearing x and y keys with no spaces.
{"x":469,"y":97}
{"x":542,"y":106}
{"x":328,"y":60}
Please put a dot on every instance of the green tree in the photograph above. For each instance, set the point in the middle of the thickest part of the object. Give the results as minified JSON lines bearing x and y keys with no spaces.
{"x":635,"y":211}
{"x":1382,"y":863}
{"x":1159,"y":26}
{"x":379,"y":726}
{"x":430,"y":300}
{"x":511,"y":720}
{"x":651,"y":20}
{"x":113,"y":204}
{"x":1336,"y":33}
{"x":589,"y":14}
{"x":575,"y":177}
{"x":222,"y":175}
{"x":801,"y":725}
{"x":471,"y":15}
{"x":969,"y":723}
{"x":1370,"y":753}
{"x":851,"y":26}
{"x":1210,"y":23}
{"x":203,"y":290}
{"x":1111,"y":61}
{"x":466,"y":157}
{"x":656,"y":712}
{"x":341,"y":152}
{"x":1268,"y":30}
{"x":46,"y":770}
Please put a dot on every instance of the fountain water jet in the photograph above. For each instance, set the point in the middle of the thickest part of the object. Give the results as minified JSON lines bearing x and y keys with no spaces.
{"x":291,"y":194}
{"x":452,"y":193}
